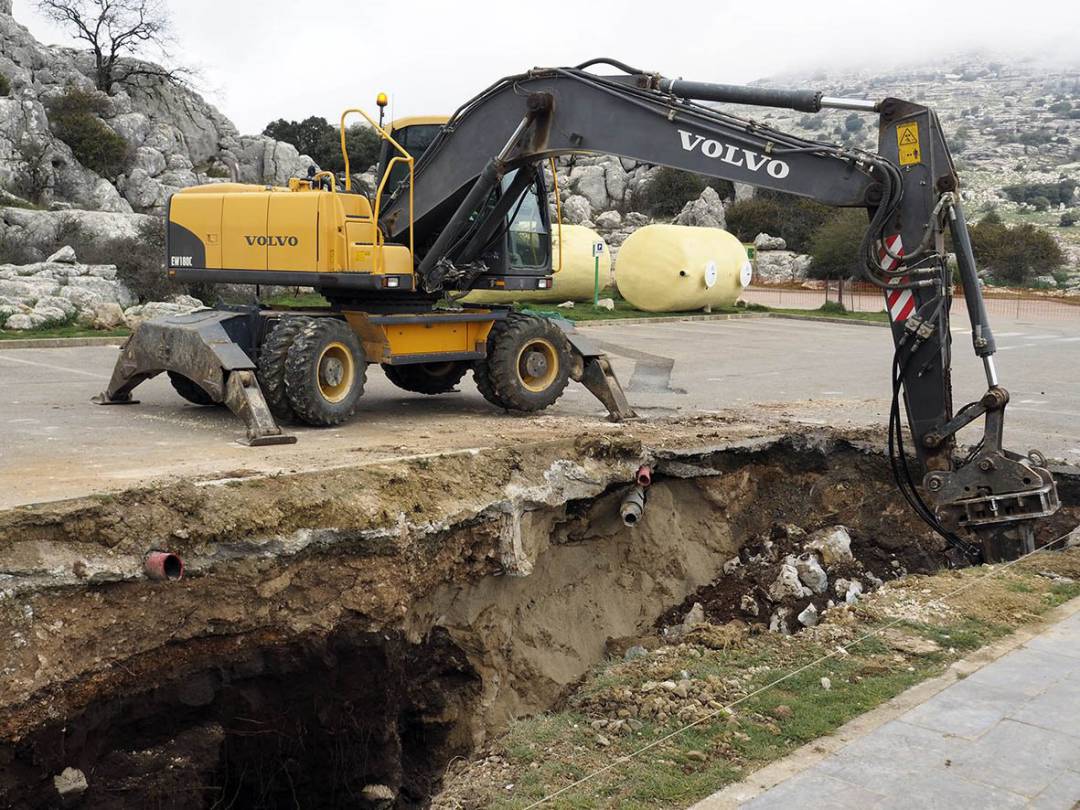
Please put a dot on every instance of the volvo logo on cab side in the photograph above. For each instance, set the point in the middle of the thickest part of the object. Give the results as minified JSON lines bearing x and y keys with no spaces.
{"x":734,"y":155}
{"x":272,"y":241}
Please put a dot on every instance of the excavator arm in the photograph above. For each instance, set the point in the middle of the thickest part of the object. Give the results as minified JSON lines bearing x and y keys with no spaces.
{"x":908,"y":188}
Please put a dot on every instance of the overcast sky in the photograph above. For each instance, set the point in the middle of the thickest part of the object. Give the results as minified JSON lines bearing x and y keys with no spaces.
{"x":266,"y":59}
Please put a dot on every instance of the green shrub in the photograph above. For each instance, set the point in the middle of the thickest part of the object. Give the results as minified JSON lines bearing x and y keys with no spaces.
{"x":5,"y":85}
{"x":218,"y":172}
{"x":139,"y":260}
{"x":321,"y":142}
{"x":1054,"y":193}
{"x":1068,"y":219}
{"x":834,"y":246}
{"x":670,"y":189}
{"x":854,"y":122}
{"x":793,"y":218}
{"x":1015,"y":254}
{"x":15,"y":251}
{"x":74,"y":118}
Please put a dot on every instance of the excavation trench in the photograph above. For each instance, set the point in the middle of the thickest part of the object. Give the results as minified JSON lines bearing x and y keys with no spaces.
{"x":346,"y":662}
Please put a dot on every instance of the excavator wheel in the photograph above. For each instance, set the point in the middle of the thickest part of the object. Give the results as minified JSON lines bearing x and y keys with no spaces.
{"x":271,"y":368}
{"x":527,"y":366}
{"x":325,"y":372}
{"x":427,"y":378}
{"x":189,"y":390}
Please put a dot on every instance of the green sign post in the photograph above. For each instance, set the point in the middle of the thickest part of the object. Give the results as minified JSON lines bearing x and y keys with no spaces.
{"x":597,"y":249}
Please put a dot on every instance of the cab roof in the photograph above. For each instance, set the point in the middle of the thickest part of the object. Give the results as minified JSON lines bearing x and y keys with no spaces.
{"x":418,"y":120}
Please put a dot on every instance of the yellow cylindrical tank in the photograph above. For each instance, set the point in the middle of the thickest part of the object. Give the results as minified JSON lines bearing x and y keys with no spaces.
{"x":675,"y":268}
{"x":574,"y":282}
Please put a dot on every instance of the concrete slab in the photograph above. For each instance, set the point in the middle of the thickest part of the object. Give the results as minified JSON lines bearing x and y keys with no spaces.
{"x":1061,"y":794}
{"x":1017,"y":757}
{"x":835,"y":792}
{"x":1003,"y":736}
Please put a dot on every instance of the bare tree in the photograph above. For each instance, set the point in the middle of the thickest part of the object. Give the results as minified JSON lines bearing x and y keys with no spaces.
{"x":116,"y":29}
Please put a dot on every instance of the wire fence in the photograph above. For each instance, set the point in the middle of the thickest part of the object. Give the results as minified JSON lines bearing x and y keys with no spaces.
{"x":862,"y":297}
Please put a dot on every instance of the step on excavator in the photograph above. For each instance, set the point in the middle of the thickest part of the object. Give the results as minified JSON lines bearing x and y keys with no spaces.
{"x":461,"y":205}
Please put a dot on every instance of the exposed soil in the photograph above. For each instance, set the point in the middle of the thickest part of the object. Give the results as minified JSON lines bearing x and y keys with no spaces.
{"x":341,"y":636}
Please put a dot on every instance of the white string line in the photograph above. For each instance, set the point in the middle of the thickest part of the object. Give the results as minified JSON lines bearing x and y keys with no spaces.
{"x":839,"y":650}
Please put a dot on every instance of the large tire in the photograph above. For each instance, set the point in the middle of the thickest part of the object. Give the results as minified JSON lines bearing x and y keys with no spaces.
{"x":325,"y":372}
{"x":271,"y":367}
{"x":189,"y":390}
{"x":427,"y":378}
{"x":527,"y":365}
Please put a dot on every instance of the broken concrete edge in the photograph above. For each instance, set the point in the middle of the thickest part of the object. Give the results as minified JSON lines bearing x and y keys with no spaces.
{"x":809,"y":755}
{"x":60,"y":561}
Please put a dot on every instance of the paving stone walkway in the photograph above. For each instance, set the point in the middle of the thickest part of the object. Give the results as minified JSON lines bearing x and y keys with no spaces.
{"x":1007,"y":735}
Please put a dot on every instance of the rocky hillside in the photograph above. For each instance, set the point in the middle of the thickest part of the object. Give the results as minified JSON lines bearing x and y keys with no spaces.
{"x":174,"y":137}
{"x":1010,"y":125}
{"x":1007,"y":123}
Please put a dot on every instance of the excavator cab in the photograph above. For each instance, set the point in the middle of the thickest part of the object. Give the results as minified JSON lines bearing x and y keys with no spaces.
{"x":515,"y":244}
{"x":415,"y":134}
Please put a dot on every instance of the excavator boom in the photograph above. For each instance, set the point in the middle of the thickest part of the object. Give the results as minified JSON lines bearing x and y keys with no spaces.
{"x":909,"y":188}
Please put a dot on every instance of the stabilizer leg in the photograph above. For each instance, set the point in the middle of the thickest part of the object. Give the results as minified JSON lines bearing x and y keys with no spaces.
{"x":244,"y":398}
{"x":200,"y":347}
{"x":592,"y":369}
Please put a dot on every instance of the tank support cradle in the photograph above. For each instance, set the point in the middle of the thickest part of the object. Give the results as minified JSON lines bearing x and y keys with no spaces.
{"x":206,"y":348}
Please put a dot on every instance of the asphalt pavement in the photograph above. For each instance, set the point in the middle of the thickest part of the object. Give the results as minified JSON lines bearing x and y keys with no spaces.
{"x":55,"y":444}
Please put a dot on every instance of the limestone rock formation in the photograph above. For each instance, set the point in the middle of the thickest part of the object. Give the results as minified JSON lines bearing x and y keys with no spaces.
{"x":707,"y":211}
{"x":51,"y":293}
{"x":781,"y":266}
{"x":176,"y":138}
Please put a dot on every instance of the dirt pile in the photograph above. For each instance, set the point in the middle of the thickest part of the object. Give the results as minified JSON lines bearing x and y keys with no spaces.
{"x":786,"y":579}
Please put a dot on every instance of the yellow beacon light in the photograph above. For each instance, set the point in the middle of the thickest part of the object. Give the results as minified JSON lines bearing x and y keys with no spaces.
{"x":382,"y":101}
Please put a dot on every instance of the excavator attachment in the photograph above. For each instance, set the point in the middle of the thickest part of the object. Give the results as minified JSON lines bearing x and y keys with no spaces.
{"x":205,"y":348}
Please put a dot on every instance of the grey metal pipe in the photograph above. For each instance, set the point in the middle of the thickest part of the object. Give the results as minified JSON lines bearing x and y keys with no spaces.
{"x":858,"y":104}
{"x":803,"y":100}
{"x":982,"y":337}
{"x":633,"y":505}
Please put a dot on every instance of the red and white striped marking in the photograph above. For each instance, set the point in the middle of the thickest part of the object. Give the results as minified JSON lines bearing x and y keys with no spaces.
{"x":900,"y":303}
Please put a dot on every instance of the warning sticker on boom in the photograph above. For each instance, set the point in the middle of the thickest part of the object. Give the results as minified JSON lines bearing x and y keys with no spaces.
{"x":907,"y":138}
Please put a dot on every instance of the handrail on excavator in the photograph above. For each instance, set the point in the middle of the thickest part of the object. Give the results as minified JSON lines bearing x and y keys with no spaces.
{"x":404,"y":157}
{"x":321,"y":175}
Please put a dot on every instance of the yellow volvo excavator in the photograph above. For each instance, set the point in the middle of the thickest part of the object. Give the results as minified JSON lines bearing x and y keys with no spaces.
{"x":461,"y":204}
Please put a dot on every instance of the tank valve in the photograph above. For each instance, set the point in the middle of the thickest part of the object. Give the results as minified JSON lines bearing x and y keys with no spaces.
{"x":633,"y":505}
{"x":163,"y":565}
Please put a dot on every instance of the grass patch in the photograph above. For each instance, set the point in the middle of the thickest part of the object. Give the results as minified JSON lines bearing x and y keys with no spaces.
{"x":583,"y":312}
{"x":64,"y":331}
{"x":833,"y":310}
{"x":297,"y":300}
{"x":540,"y":755}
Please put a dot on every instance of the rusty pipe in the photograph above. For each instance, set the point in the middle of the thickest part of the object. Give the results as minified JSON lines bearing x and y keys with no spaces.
{"x":163,"y":565}
{"x":633,"y":505}
{"x":644,"y":475}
